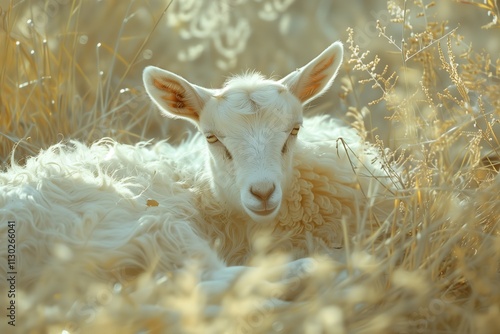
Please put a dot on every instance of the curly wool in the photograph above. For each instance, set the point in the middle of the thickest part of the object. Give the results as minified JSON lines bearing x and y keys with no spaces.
{"x":93,"y":205}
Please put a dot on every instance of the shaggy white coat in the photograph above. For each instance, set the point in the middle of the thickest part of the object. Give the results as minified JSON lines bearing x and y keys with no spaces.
{"x":97,"y":205}
{"x":254,"y":184}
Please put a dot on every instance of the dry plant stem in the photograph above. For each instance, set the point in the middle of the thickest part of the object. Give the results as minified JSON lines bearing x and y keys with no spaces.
{"x":146,"y":40}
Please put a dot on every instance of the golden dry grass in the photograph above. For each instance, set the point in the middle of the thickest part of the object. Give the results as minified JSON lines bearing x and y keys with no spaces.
{"x":425,"y":84}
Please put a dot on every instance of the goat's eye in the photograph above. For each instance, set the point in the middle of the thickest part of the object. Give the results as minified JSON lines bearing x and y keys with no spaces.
{"x":294,"y":132}
{"x":212,"y":139}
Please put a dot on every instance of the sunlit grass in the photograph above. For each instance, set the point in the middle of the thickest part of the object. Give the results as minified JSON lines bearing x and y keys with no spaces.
{"x":432,"y":265}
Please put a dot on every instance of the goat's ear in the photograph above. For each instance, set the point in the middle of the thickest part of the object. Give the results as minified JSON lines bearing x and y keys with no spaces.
{"x":174,"y":95}
{"x":313,"y":79}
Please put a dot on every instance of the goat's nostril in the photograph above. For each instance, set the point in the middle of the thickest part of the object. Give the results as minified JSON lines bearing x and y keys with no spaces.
{"x":263,"y":191}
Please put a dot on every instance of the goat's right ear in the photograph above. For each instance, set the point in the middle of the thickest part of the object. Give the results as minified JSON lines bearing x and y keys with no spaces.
{"x":174,"y":95}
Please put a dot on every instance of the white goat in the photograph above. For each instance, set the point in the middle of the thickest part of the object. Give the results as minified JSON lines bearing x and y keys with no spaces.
{"x":261,"y":178}
{"x":251,"y":127}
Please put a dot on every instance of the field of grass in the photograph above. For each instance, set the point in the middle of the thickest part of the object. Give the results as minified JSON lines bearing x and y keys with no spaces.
{"x":421,"y":80}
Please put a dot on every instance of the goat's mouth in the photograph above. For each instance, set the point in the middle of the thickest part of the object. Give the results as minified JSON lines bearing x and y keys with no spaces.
{"x":263,"y":214}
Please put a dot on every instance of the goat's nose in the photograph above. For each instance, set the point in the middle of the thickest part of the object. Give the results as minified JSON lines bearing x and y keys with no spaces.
{"x":263,"y":190}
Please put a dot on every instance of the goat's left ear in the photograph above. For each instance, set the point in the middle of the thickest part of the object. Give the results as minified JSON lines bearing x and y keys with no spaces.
{"x":313,"y":79}
{"x":174,"y":95}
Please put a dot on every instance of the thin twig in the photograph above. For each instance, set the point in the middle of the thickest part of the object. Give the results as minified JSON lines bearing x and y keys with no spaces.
{"x":432,"y":43}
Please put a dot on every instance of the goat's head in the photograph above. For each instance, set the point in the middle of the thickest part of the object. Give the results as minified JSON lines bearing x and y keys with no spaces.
{"x":250,"y":125}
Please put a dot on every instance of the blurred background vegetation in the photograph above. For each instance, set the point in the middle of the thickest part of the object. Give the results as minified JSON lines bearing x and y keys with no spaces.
{"x":72,"y":69}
